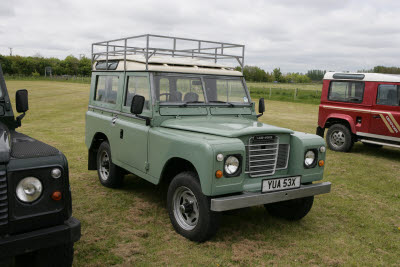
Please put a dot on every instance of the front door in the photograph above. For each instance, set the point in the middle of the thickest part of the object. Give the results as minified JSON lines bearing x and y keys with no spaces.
{"x":385,"y":116}
{"x":133,"y":131}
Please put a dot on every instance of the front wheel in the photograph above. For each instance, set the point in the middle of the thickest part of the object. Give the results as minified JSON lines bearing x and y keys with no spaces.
{"x":58,"y":256}
{"x":110,"y":175}
{"x":339,"y":138}
{"x":189,"y":209}
{"x":291,"y":210}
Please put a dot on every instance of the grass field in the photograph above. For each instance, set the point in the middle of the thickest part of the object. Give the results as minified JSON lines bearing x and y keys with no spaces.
{"x":356,"y":224}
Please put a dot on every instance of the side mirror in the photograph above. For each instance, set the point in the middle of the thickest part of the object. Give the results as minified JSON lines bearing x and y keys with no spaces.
{"x":137,"y":104}
{"x":21,"y":101}
{"x":261,"y":107}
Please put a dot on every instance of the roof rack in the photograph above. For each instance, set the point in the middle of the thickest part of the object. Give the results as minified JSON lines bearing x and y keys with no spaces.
{"x":150,"y":45}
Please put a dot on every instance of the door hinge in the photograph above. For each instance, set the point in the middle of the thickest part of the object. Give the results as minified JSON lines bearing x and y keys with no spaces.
{"x":146,"y":166}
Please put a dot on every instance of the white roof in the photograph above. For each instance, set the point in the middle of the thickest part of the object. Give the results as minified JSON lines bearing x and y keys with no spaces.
{"x":372,"y":77}
{"x":170,"y":64}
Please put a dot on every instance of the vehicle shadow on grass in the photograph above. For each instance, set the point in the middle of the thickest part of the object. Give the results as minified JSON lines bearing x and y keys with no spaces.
{"x":247,"y":223}
{"x":380,"y":152}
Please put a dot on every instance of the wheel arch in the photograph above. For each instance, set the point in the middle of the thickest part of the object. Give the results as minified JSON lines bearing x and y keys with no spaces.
{"x":173,"y":167}
{"x":97,"y":139}
{"x":340,"y":119}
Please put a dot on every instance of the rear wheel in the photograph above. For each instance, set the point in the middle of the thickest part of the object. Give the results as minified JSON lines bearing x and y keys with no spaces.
{"x":58,"y":256}
{"x":339,"y":138}
{"x":110,"y":175}
{"x":291,"y":210}
{"x":189,"y":209}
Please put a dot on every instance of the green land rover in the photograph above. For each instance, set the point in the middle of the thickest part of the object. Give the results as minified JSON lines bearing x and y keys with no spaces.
{"x":36,"y":227}
{"x":164,"y":109}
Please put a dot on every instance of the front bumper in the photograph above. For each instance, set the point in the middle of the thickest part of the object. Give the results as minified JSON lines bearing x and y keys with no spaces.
{"x":249,"y":199}
{"x":69,"y":232}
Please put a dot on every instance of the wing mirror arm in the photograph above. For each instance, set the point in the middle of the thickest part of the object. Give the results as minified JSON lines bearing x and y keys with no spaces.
{"x":261,"y":107}
{"x":137,"y":106}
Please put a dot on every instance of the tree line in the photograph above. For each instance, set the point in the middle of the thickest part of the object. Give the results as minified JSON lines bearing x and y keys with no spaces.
{"x":256,"y":74}
{"x":383,"y":69}
{"x":35,"y":66}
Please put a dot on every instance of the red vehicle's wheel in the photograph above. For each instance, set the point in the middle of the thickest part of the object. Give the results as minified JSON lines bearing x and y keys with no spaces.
{"x":339,"y":138}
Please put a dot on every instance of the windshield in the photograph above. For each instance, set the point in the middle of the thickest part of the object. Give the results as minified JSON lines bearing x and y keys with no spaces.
{"x":229,"y":90}
{"x":175,"y":88}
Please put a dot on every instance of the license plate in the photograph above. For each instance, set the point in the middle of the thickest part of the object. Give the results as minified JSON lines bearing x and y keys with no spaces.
{"x":280,"y":184}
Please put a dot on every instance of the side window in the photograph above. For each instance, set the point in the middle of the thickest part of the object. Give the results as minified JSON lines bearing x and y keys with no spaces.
{"x":388,"y":94}
{"x":107,"y":89}
{"x":138,"y":85}
{"x":346,"y":91}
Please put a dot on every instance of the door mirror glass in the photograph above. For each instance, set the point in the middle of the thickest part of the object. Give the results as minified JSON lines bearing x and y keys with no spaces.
{"x":261,"y":106}
{"x":137,"y":104}
{"x":21,"y":101}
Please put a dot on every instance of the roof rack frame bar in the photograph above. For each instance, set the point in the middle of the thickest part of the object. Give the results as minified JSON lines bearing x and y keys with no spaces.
{"x":219,"y":48}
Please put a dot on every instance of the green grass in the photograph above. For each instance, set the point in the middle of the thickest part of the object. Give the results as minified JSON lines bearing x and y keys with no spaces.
{"x":317,"y":86}
{"x":72,"y":79}
{"x":356,"y":224}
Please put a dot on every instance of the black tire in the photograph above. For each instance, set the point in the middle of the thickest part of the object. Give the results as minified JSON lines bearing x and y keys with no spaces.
{"x":291,"y":210}
{"x":110,"y":175}
{"x":372,"y":145}
{"x":339,"y":138}
{"x":207,"y":222}
{"x":58,"y":256}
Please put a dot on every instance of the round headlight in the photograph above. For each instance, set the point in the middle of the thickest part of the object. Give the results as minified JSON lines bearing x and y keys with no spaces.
{"x":231,"y":165}
{"x":29,"y":189}
{"x":322,"y":149}
{"x":309,"y":158}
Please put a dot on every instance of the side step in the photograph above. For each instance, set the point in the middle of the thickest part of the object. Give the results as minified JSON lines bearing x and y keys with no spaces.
{"x":379,"y":143}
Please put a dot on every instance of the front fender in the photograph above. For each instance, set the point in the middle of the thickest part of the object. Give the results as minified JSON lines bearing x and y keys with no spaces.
{"x":165,"y":144}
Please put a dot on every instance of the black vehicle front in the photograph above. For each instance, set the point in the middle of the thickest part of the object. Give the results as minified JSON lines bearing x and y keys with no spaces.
{"x":36,"y":226}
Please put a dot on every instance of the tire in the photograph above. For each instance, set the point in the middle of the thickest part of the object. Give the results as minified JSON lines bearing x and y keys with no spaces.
{"x":372,"y":145}
{"x":291,"y":210}
{"x":58,"y":256}
{"x":339,"y":138}
{"x":110,"y":175}
{"x":196,"y":222}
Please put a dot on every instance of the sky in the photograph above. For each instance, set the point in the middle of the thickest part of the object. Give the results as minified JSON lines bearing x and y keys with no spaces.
{"x":294,"y":35}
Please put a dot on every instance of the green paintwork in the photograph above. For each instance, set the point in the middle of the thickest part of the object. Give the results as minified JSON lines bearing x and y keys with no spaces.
{"x":223,"y":126}
{"x":195,"y":133}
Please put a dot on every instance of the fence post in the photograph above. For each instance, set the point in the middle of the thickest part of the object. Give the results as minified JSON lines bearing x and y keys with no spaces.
{"x":295,"y":93}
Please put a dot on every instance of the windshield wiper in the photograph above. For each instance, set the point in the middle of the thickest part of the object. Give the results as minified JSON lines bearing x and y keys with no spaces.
{"x":191,"y":102}
{"x":223,"y":102}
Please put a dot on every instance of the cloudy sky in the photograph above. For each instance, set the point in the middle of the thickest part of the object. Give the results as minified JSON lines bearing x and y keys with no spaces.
{"x":295,"y":35}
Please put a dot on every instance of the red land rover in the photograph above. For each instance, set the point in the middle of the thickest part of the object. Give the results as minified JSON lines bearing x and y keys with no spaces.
{"x":360,"y":107}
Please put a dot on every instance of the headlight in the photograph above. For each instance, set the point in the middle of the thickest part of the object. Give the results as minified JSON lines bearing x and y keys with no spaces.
{"x":310,"y":159}
{"x":231,"y":165}
{"x":29,"y":189}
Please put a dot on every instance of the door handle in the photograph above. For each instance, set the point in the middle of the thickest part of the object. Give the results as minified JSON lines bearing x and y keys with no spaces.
{"x":376,"y":117}
{"x":114,"y":120}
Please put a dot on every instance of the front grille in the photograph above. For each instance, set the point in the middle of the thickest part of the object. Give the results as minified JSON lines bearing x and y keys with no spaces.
{"x":3,"y":199}
{"x":262,"y":155}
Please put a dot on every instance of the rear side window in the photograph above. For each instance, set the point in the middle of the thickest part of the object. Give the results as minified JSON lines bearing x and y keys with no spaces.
{"x":388,"y":95}
{"x":138,"y":85}
{"x":107,"y":89}
{"x":346,"y":91}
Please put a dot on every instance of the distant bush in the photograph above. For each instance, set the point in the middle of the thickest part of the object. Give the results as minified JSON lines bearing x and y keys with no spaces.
{"x":29,"y":66}
{"x":256,"y":74}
